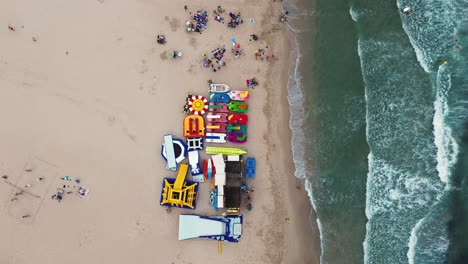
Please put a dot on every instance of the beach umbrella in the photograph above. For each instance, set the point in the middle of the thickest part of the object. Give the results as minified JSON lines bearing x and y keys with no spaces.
{"x":170,"y":54}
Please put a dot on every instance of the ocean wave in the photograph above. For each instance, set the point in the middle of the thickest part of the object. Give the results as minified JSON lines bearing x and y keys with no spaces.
{"x":394,"y":190}
{"x":395,"y":201}
{"x":413,"y":241}
{"x":428,"y":241}
{"x":322,"y":243}
{"x":400,"y":187}
{"x":356,"y":13}
{"x":366,"y":242}
{"x":447,"y":147}
{"x":430,"y":28}
{"x":296,"y":107}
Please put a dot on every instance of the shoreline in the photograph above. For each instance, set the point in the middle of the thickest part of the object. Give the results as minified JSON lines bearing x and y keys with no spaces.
{"x":303,"y":244}
{"x":302,"y":235}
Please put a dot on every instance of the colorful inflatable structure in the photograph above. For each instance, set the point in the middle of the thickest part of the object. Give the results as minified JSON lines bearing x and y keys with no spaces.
{"x":216,"y":127}
{"x":194,"y":144}
{"x":236,"y":128}
{"x":173,"y":151}
{"x":195,"y":169}
{"x":219,"y":88}
{"x":241,"y":119}
{"x":195,"y":104}
{"x":207,"y":169}
{"x":219,"y":98}
{"x":214,"y":199}
{"x":226,"y":121}
{"x":179,"y":192}
{"x":218,"y":107}
{"x":237,"y":138}
{"x":225,"y":151}
{"x":217,"y":117}
{"x":219,"y":179}
{"x":215,"y":137}
{"x":239,"y":95}
{"x":250,"y":167}
{"x":221,"y":228}
{"x":238,"y":106}
{"x":211,"y":170}
{"x":194,"y":126}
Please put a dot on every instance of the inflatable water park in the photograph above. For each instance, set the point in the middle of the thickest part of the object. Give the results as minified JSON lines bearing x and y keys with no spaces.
{"x":210,"y":149}
{"x":222,"y":228}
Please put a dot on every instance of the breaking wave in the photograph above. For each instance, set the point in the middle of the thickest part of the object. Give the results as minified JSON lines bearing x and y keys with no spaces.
{"x":447,"y":147}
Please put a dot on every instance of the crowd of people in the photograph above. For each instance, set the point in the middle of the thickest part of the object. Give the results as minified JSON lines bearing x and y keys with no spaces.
{"x":216,"y":56}
{"x":235,"y":20}
{"x":198,"y":22}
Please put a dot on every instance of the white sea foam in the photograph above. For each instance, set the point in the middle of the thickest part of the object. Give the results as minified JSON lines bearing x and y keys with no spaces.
{"x":392,"y":187}
{"x":365,"y":243}
{"x":447,"y":147}
{"x":296,"y":106}
{"x":354,"y":14}
{"x":413,"y":241}
{"x":322,"y":244}
{"x":417,"y":50}
{"x":296,"y":123}
{"x":428,"y":241}
{"x":308,"y":188}
{"x":357,"y":13}
{"x":430,"y":29}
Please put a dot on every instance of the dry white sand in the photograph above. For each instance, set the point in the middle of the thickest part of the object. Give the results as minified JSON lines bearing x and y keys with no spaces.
{"x":92,"y":97}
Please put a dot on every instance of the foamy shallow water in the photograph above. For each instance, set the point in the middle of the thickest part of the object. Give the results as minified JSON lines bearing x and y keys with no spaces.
{"x":379,"y":143}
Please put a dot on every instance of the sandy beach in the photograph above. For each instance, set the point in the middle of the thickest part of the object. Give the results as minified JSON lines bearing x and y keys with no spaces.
{"x":86,"y":92}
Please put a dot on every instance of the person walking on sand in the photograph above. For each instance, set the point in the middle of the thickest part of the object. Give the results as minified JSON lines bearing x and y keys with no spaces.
{"x":185,"y":8}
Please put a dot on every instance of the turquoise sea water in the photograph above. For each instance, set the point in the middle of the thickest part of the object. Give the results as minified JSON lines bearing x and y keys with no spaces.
{"x":379,"y":118}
